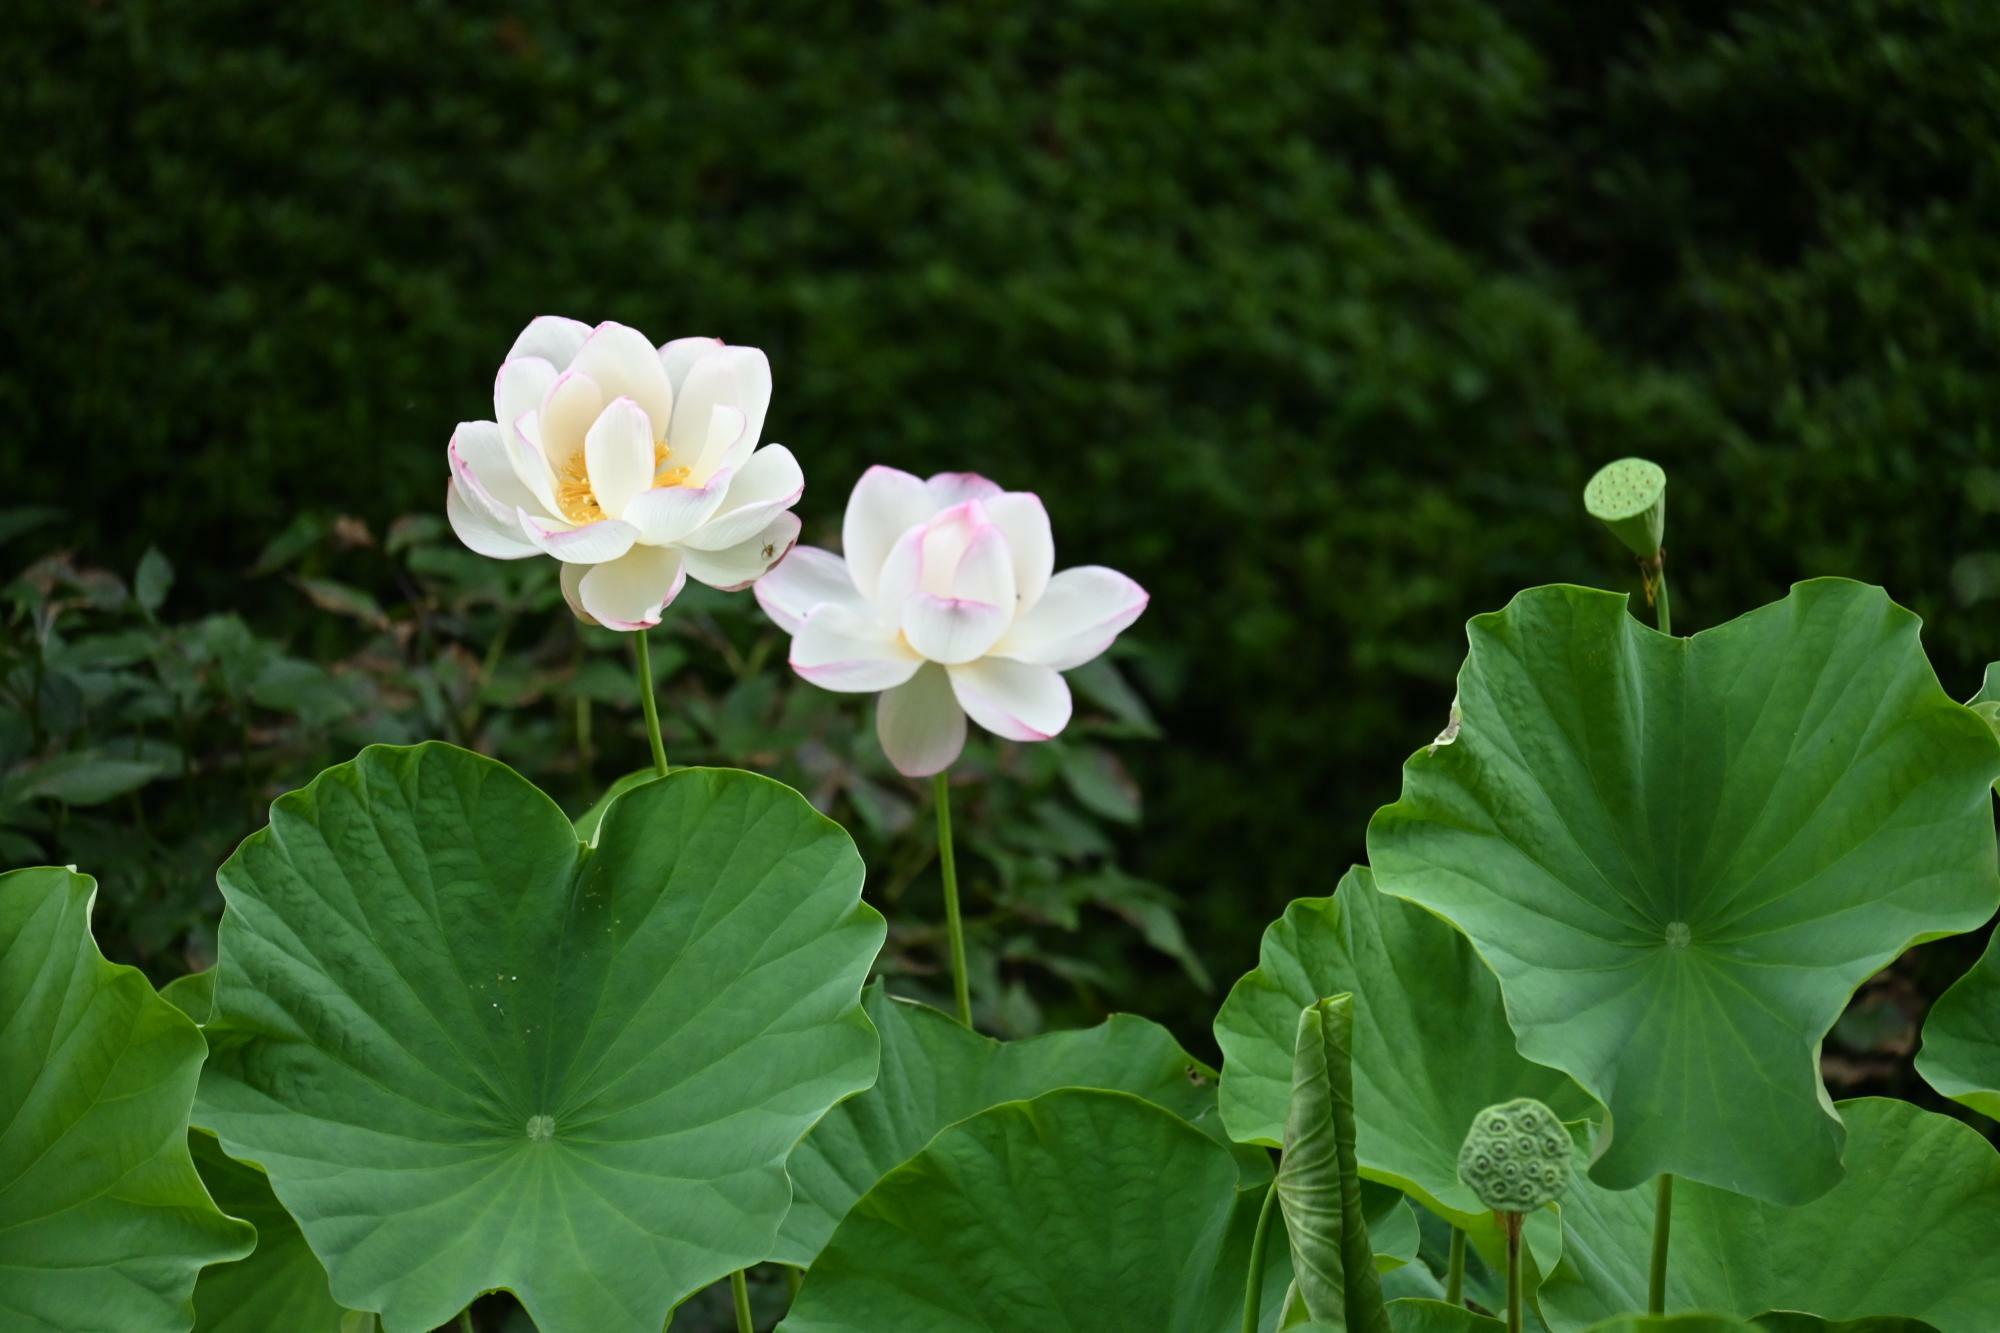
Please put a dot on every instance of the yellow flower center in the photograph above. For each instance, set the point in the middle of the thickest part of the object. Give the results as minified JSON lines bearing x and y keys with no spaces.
{"x":578,"y":502}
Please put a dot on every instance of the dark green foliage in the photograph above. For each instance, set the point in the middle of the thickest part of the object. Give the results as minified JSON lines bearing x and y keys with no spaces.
{"x":1315,"y":319}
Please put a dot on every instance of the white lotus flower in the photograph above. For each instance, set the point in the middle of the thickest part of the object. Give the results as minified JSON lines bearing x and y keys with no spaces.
{"x":634,"y":466}
{"x":947,"y":604}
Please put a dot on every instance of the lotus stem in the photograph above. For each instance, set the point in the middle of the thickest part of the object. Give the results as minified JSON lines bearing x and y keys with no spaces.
{"x":1454,"y":1277}
{"x":1253,"y":1286}
{"x":1662,"y":613}
{"x":739,"y":1290}
{"x":465,"y":1320}
{"x":649,"y":703}
{"x":1663,"y":1224}
{"x":1511,"y":1223}
{"x":954,"y":927}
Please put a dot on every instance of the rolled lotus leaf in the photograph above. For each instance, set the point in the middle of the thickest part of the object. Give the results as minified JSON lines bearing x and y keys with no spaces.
{"x":1516,"y":1157}
{"x":1630,"y":497}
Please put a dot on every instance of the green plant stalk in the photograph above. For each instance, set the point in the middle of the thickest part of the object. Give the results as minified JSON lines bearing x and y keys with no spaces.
{"x":739,"y":1290}
{"x":1663,"y":1222}
{"x":1253,"y":1286}
{"x":954,"y":927}
{"x":1511,"y":1223}
{"x":465,"y":1320}
{"x":649,"y":703}
{"x":1662,"y":614}
{"x":1454,"y":1278}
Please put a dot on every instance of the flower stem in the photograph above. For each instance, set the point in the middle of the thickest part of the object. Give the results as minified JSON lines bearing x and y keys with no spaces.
{"x":649,"y":703}
{"x":1512,"y":1223}
{"x":1253,"y":1286}
{"x":1663,"y":1225}
{"x":739,"y":1288}
{"x":1454,"y":1277}
{"x":954,"y":927}
{"x":465,"y":1320}
{"x":1662,"y":615}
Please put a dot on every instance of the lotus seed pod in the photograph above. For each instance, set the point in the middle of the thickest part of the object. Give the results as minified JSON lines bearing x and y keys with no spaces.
{"x":1630,"y":497}
{"x":1517,"y":1156}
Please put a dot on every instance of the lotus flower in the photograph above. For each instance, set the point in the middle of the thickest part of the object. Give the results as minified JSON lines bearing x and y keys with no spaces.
{"x":635,"y":466}
{"x":946,"y":603}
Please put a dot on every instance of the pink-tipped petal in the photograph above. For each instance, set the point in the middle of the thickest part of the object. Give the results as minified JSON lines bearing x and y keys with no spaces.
{"x":531,"y":465}
{"x":953,"y":629}
{"x":665,"y":514}
{"x":572,"y":404}
{"x":1022,"y":517}
{"x":902,"y":574}
{"x":737,"y":377}
{"x":886,"y":503}
{"x":1078,"y":617}
{"x":479,"y":462}
{"x":480,"y":531}
{"x":985,"y":570}
{"x":519,"y":389}
{"x":571,"y":579}
{"x":763,"y":487}
{"x":552,"y":338}
{"x":726,"y":448}
{"x":678,"y":357}
{"x":946,"y":539}
{"x":1016,"y":701}
{"x":955,"y":488}
{"x":802,"y":582}
{"x":920,"y":725}
{"x":630,"y":592}
{"x":840,"y":649}
{"x":618,"y":452}
{"x":625,"y":365}
{"x":590,"y":544}
{"x":737,"y":567}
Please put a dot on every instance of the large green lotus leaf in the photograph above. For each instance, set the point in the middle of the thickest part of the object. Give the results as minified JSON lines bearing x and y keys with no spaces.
{"x":935,"y":1071}
{"x":1083,"y":1210}
{"x":103,"y":1222}
{"x":281,"y":1284}
{"x":1681,"y":856}
{"x":1783,"y":1322}
{"x":472,"y":1054}
{"x":1910,"y":1230}
{"x":1414,"y":1314}
{"x":1431,"y":1043}
{"x":1961,"y":1051}
{"x":1319,"y":1190}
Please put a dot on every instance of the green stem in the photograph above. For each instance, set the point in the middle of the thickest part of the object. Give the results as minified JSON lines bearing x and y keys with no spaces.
{"x":1663,"y":1225}
{"x":1512,"y":1223}
{"x":954,"y":928}
{"x":1253,"y":1286}
{"x":465,"y":1319}
{"x":1454,"y":1278}
{"x":794,"y":1279}
{"x":739,"y":1288}
{"x":649,"y":703}
{"x":1662,"y":614}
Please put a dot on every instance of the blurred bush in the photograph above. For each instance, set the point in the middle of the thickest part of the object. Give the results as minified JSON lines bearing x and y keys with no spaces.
{"x":1313,"y":318}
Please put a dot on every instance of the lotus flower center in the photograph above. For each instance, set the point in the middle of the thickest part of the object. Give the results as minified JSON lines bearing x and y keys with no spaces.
{"x":578,"y":502}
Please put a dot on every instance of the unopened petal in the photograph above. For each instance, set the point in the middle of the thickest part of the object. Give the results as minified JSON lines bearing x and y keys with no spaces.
{"x":552,"y":338}
{"x":955,"y":488}
{"x":619,"y":453}
{"x":1023,"y":518}
{"x":678,"y":357}
{"x":737,"y":377}
{"x":567,"y":412}
{"x":625,"y":365}
{"x":953,"y":629}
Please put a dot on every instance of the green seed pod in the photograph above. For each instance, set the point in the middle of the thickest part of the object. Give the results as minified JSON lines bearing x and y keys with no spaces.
{"x":1517,"y":1156}
{"x":1630,"y":497}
